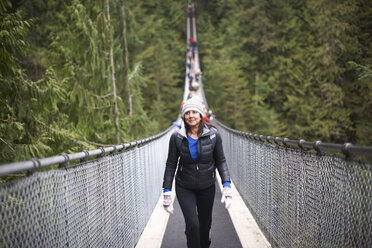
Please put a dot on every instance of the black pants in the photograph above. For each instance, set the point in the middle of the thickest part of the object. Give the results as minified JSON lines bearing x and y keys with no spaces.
{"x":197,"y":208}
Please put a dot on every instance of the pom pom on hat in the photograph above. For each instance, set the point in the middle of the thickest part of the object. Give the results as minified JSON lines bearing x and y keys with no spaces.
{"x":193,"y":103}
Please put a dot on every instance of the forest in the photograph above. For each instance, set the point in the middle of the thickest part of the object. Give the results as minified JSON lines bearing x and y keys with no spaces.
{"x":80,"y":74}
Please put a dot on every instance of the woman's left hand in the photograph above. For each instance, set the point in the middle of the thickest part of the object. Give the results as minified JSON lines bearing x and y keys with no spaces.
{"x":226,"y":196}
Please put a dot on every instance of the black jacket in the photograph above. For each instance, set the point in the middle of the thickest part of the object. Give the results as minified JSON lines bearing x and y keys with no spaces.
{"x":199,"y":173}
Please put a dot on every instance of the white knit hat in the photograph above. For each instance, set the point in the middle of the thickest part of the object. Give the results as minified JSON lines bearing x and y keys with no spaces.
{"x":193,"y":103}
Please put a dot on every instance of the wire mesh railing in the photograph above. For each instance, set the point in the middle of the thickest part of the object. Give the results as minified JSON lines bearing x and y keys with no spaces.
{"x":301,"y":198}
{"x":104,"y":202}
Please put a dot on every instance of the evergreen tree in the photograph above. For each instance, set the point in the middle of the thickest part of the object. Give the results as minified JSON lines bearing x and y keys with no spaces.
{"x":291,"y":58}
{"x":162,"y":57}
{"x":13,"y":86}
{"x":25,"y":105}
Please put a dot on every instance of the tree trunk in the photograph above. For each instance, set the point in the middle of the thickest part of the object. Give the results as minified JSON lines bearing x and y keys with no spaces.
{"x":256,"y":87}
{"x":116,"y":114}
{"x":126,"y":63}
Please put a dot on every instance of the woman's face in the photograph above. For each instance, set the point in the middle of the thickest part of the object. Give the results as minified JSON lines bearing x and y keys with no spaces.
{"x":192,"y":118}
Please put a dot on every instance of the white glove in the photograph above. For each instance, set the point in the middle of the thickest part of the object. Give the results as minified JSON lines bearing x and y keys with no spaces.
{"x":226,"y":196}
{"x":167,"y":202}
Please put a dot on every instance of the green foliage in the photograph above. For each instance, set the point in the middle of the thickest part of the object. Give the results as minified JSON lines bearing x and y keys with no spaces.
{"x":140,"y":124}
{"x":360,"y":98}
{"x":62,"y":101}
{"x":280,"y":68}
{"x":161,"y":49}
{"x":12,"y":32}
{"x":296,"y":69}
{"x":365,"y":72}
{"x":15,"y":137}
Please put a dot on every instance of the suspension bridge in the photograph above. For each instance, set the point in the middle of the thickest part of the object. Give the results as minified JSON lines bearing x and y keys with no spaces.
{"x":287,"y":193}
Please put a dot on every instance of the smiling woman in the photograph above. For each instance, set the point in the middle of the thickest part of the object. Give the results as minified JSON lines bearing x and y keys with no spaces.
{"x":197,"y":150}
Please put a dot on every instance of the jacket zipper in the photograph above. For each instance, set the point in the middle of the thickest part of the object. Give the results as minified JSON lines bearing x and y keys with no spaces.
{"x":198,"y":159}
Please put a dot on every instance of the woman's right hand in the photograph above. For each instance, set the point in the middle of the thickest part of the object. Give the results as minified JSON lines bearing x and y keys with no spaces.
{"x":167,"y":202}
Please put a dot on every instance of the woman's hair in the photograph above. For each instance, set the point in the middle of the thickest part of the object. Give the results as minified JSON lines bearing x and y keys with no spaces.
{"x":209,"y":125}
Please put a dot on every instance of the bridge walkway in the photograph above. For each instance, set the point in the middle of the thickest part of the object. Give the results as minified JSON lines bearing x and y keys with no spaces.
{"x":234,"y":228}
{"x":230,"y":229}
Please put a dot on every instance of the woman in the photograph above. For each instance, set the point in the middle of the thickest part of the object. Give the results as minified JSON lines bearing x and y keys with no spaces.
{"x":197,"y":150}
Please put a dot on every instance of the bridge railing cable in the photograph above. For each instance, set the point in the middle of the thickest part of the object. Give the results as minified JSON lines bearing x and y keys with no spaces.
{"x":302,"y":197}
{"x":61,"y":159}
{"x":348,"y":149}
{"x":102,"y":202}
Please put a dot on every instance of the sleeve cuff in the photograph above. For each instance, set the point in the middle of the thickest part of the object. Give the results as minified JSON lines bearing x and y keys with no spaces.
{"x":226,"y":184}
{"x":166,"y":190}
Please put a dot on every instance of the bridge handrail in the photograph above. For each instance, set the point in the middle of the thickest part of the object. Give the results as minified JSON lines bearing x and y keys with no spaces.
{"x":347,"y":149}
{"x":61,"y":159}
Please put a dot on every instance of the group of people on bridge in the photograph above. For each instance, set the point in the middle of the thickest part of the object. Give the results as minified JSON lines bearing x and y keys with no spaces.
{"x":193,"y":71}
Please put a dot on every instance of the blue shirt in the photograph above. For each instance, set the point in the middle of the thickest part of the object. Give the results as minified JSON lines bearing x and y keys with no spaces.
{"x":193,"y":146}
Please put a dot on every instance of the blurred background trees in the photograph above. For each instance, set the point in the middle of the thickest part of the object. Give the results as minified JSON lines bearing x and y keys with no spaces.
{"x":296,"y":69}
{"x":293,"y":68}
